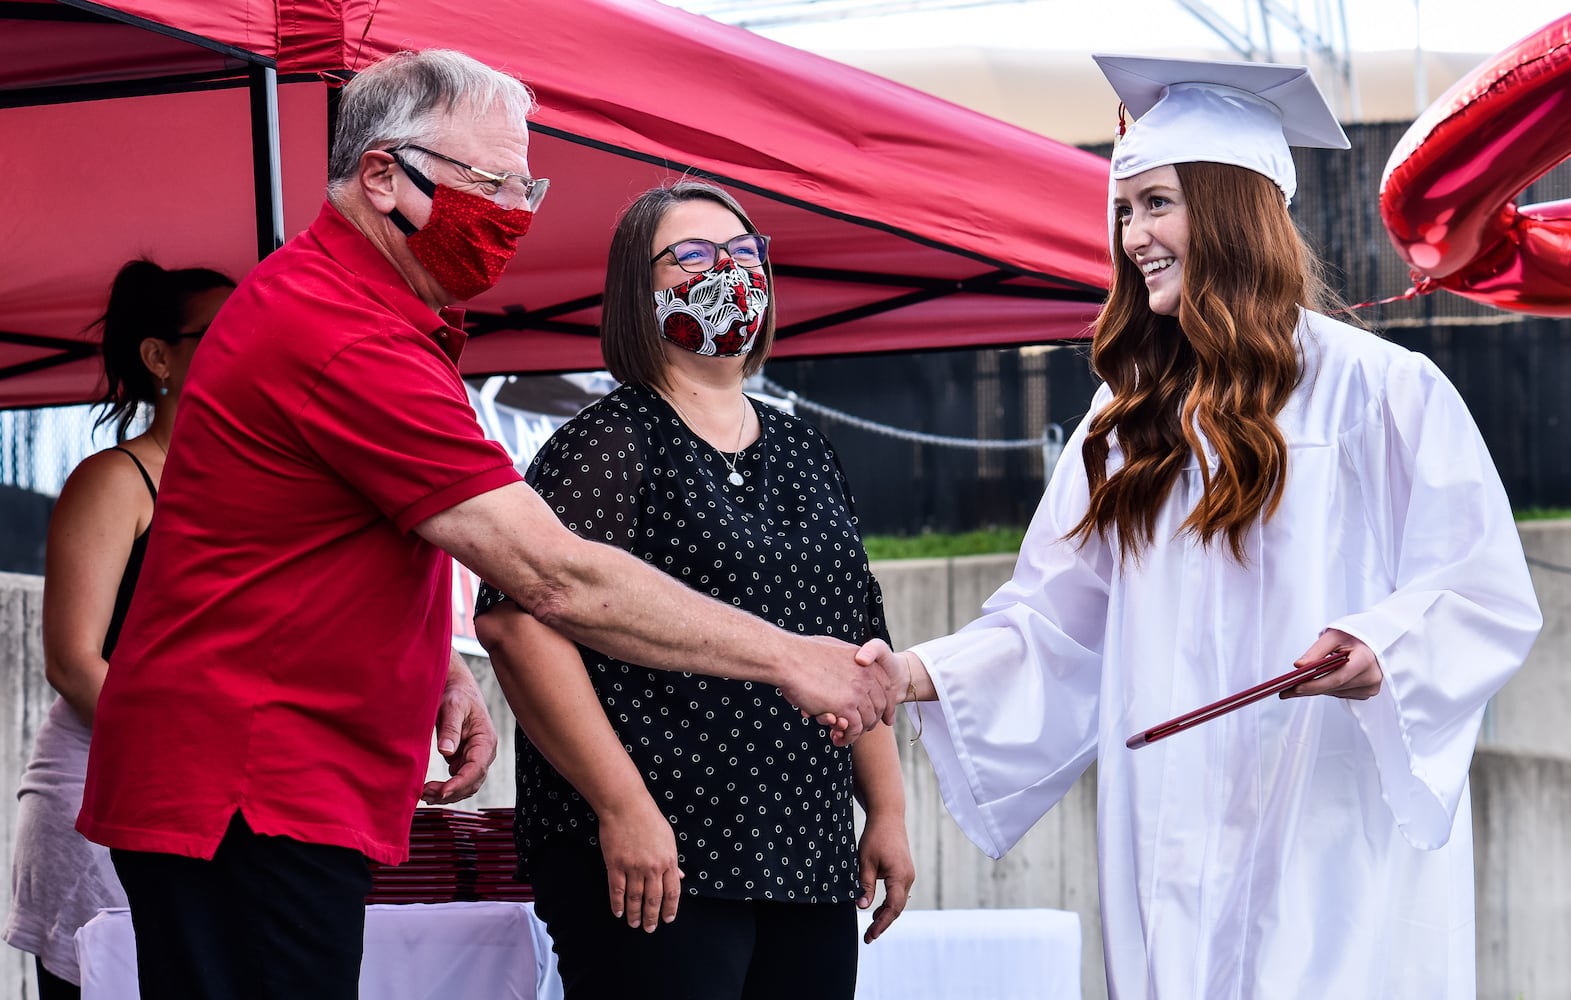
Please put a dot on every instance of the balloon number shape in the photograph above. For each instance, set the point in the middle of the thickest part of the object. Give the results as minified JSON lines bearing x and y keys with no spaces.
{"x":1448,"y":193}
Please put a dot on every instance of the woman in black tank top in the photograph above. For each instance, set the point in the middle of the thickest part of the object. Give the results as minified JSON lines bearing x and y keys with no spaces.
{"x":133,"y":563}
{"x":98,"y":534}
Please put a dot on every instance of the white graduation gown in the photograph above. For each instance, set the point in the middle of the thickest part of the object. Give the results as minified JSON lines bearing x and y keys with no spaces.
{"x":1312,"y":847}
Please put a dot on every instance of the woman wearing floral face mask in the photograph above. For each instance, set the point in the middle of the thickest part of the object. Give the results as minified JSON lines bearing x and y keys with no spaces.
{"x":664,"y":789}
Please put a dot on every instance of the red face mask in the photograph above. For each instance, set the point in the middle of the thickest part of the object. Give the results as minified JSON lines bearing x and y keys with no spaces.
{"x":468,"y":240}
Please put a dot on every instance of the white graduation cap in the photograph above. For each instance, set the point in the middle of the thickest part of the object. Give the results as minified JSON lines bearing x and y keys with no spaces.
{"x":1244,"y":114}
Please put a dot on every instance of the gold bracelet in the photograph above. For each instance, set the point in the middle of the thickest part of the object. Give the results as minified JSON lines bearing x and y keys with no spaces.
{"x":911,"y":697}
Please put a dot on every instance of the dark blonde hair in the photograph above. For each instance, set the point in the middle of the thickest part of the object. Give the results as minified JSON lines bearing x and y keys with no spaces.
{"x":629,"y":335}
{"x":1223,"y":368}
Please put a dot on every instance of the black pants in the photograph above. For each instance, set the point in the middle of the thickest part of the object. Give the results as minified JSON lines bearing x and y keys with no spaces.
{"x":268,"y":918}
{"x":716,"y":949}
{"x":52,"y":987}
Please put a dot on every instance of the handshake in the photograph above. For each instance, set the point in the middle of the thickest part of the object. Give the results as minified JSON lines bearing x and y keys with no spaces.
{"x":852,"y":689}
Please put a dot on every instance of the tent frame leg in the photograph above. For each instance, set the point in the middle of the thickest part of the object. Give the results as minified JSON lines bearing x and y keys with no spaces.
{"x":266,"y":160}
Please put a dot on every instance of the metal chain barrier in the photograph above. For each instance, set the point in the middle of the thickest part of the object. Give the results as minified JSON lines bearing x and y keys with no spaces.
{"x":1054,"y":438}
{"x":1051,"y":444}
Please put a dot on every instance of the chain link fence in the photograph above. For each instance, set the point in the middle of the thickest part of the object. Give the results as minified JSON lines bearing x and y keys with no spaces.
{"x":39,"y":448}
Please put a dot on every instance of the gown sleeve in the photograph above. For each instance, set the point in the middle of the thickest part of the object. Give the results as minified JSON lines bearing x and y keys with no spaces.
{"x":1019,"y":688}
{"x":1462,"y":614}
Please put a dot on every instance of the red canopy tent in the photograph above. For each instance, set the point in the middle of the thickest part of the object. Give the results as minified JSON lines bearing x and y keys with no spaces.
{"x":901,"y":222}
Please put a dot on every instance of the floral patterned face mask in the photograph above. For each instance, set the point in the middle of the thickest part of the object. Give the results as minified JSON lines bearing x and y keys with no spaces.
{"x":717,"y":312}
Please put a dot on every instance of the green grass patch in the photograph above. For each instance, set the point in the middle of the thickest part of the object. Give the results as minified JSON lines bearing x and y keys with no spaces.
{"x":991,"y":541}
{"x":931,"y":545}
{"x":1543,"y":513}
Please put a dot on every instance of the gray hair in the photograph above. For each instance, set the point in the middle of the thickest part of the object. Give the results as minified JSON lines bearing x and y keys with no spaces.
{"x":409,"y":97}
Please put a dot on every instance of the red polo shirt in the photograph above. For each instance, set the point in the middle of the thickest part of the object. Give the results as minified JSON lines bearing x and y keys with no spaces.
{"x":289,"y":637}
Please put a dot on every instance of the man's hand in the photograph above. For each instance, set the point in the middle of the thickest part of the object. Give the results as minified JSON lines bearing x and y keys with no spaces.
{"x":830,"y":685}
{"x":464,"y":735}
{"x":897,"y":674}
{"x":640,"y":863}
{"x":884,"y":855}
{"x":1359,"y":678}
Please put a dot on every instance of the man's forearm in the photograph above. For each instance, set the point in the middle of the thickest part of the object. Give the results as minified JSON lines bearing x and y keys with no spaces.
{"x":602,"y":596}
{"x":611,"y":601}
{"x":620,"y":605}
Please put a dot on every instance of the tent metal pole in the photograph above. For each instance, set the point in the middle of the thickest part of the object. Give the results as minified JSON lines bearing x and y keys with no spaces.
{"x":266,"y":161}
{"x":333,"y":94}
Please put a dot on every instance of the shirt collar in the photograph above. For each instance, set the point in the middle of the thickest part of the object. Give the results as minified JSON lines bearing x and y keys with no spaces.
{"x":450,"y":337}
{"x":350,"y":248}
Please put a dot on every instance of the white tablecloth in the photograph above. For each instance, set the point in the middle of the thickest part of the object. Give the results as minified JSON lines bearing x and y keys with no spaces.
{"x":501,"y":952}
{"x":418,"y":951}
{"x":973,"y":955}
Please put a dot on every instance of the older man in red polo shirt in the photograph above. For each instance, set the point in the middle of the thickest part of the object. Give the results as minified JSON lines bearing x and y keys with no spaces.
{"x":266,"y":720}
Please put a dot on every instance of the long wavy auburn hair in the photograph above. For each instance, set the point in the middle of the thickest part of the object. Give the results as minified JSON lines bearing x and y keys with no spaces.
{"x":1222,"y":369}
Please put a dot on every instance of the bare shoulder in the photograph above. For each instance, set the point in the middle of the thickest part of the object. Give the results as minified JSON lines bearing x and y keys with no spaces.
{"x":107,"y":484}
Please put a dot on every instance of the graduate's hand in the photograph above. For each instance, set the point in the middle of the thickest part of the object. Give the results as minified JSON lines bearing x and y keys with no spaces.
{"x":896,"y":669}
{"x":1359,"y":678}
{"x":640,"y":862}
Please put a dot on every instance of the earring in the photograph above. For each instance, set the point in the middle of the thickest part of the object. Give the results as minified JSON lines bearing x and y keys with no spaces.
{"x":163,"y":386}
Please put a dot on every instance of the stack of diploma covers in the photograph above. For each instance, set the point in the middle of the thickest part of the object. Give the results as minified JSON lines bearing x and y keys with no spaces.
{"x":454,"y":856}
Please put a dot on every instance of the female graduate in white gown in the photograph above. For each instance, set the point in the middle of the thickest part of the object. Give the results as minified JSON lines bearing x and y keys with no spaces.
{"x":1255,"y":485}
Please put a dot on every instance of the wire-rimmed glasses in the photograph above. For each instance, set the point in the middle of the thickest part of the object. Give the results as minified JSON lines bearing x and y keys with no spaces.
{"x":521,"y":188}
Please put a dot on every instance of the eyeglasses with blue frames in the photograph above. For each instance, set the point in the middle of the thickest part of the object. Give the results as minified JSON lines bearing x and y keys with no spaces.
{"x":748,"y":250}
{"x":521,"y":188}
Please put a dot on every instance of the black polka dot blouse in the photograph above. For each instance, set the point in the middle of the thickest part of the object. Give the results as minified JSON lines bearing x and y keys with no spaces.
{"x":758,"y":796}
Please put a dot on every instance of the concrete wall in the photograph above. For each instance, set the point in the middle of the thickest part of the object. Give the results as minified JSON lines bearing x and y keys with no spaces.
{"x":1055,"y":864}
{"x":25,"y":698}
{"x":1521,"y":783}
{"x":1521,"y":779}
{"x":1532,"y":712}
{"x":1522,"y":874}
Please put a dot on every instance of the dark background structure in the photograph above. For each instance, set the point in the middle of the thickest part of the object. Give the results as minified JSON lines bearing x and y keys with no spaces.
{"x":1513,"y":370}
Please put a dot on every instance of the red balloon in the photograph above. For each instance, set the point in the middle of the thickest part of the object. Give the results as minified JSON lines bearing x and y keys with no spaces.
{"x":1449,"y":190}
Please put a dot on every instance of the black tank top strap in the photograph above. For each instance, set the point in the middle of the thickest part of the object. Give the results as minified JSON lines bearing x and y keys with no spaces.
{"x":151,"y":489}
{"x":133,"y":567}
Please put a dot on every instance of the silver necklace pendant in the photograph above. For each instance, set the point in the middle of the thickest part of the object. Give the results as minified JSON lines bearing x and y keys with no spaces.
{"x":735,"y":478}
